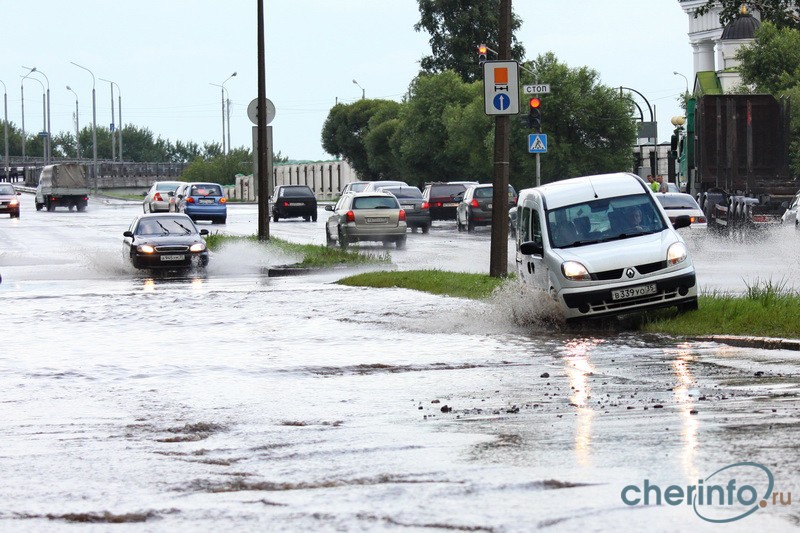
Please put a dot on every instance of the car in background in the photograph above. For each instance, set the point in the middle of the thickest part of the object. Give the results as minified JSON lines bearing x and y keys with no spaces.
{"x":158,"y":197}
{"x":366,"y":216}
{"x":790,"y":215}
{"x":673,"y":187}
{"x":475,"y":206}
{"x":354,"y":186}
{"x":292,"y":201}
{"x":9,"y":200}
{"x":164,"y":240}
{"x":375,"y":185}
{"x":677,"y":203}
{"x":416,"y":208}
{"x":441,"y":198}
{"x":202,"y":201}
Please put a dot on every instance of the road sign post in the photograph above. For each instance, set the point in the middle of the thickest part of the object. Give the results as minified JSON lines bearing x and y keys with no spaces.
{"x":501,"y":87}
{"x":537,"y":144}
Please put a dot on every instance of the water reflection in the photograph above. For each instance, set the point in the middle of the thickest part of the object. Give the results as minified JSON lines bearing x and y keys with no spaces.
{"x":686,"y":403}
{"x":578,"y":369}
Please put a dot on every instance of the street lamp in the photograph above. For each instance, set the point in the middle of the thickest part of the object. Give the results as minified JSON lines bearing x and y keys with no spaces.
{"x":685,"y":78}
{"x":222,"y":93}
{"x":77,"y":124}
{"x":94,"y":125}
{"x":5,"y":129}
{"x":44,"y":116}
{"x":119,"y":127}
{"x":47,"y":142}
{"x":362,"y":89}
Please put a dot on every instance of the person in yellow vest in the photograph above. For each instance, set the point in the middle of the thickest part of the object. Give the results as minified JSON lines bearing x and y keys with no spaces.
{"x":652,"y":183}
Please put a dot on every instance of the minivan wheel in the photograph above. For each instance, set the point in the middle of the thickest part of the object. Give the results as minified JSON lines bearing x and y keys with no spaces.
{"x":691,"y":305}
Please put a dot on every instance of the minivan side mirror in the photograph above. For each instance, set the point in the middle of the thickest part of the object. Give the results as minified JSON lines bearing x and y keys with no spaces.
{"x":531,"y":248}
{"x":328,"y":208}
{"x":128,"y":234}
{"x":203,"y":232}
{"x":682,"y":221}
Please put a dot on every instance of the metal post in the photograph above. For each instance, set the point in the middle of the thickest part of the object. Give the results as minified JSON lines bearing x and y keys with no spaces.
{"x":222,"y":97}
{"x":94,"y":125}
{"x":5,"y":131}
{"x":363,"y":92}
{"x":538,"y":170}
{"x":77,"y":124}
{"x":47,"y":143}
{"x":119,"y":126}
{"x":113,"y":133}
{"x":228,"y":101}
{"x":262,"y":135}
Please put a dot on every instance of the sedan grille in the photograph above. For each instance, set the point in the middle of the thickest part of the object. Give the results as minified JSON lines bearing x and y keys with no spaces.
{"x":172,"y":248}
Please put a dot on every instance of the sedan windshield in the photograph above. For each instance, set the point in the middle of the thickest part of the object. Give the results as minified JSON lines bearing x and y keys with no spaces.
{"x":603,"y":220}
{"x":7,"y":189}
{"x":165,"y":226}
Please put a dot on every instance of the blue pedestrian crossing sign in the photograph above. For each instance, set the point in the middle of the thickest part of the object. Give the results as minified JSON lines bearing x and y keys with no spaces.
{"x":537,"y":143}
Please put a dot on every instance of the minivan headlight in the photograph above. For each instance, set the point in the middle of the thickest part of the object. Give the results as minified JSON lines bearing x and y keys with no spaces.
{"x":575,"y":271}
{"x":197,"y":247}
{"x":676,"y":253}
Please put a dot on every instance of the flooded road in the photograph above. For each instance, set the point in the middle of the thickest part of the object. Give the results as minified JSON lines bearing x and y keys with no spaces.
{"x":231,"y":400}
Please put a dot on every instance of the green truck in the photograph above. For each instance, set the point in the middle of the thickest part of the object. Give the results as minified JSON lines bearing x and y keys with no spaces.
{"x":62,"y":185}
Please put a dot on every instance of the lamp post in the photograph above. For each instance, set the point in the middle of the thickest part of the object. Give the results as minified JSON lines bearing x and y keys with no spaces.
{"x":94,"y":125}
{"x":113,"y":132}
{"x":363,"y":92}
{"x":5,"y":129}
{"x":685,"y":78}
{"x":48,"y":146}
{"x":77,"y":124}
{"x":222,"y":94}
{"x":44,"y":117}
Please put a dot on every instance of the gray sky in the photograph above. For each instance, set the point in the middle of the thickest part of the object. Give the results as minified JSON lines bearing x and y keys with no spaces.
{"x":164,"y":55}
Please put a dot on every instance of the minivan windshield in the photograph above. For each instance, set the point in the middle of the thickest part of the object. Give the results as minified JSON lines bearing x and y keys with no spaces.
{"x":605,"y":219}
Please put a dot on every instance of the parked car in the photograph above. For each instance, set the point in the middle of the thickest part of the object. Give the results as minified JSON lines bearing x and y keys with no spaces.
{"x":475,"y":206}
{"x":677,"y":203}
{"x":601,"y":246}
{"x":790,"y":215}
{"x":441,"y":198}
{"x":291,"y":201}
{"x":354,"y":186}
{"x":164,"y":240}
{"x":202,"y":201}
{"x":417,"y":213}
{"x":9,"y":200}
{"x":157,"y":198}
{"x":375,"y":185}
{"x":366,"y":216}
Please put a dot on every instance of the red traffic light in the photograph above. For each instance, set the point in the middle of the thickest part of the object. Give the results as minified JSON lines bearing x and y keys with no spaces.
{"x":534,"y":103}
{"x":482,"y":49}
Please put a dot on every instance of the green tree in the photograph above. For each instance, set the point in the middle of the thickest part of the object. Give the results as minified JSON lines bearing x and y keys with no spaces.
{"x":220,"y":169}
{"x":456,"y":28}
{"x":782,"y":13}
{"x":772,"y":62}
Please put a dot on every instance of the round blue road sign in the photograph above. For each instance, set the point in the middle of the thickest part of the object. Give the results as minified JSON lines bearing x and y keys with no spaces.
{"x":501,"y":102}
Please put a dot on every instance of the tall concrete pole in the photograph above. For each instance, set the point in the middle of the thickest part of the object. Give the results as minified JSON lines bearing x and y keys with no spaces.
{"x":498,"y":263}
{"x":94,"y":125}
{"x":261,"y":158}
{"x":77,"y":124}
{"x":113,"y":133}
{"x":5,"y":131}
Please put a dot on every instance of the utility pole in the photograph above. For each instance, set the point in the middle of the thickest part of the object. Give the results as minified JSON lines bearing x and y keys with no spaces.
{"x":498,"y":263}
{"x":261,"y":157}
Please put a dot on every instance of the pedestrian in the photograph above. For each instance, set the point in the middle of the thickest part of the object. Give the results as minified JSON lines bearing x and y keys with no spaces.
{"x":652,"y":183}
{"x":662,"y":187}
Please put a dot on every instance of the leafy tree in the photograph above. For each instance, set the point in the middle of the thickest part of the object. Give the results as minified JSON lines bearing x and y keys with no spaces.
{"x":220,"y":169}
{"x":456,"y":28}
{"x":782,"y":13}
{"x":772,"y":62}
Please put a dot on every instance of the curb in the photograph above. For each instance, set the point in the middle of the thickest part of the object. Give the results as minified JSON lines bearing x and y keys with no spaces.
{"x":769,"y":343}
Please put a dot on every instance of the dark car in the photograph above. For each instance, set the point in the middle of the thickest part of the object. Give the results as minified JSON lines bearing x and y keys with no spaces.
{"x":292,"y":201}
{"x":417,"y":213}
{"x":475,"y":207}
{"x":202,"y":201}
{"x":168,"y":240}
{"x":442,"y":198}
{"x":9,"y":200}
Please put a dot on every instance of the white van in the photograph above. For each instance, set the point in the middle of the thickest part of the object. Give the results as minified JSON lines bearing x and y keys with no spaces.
{"x":602,"y":245}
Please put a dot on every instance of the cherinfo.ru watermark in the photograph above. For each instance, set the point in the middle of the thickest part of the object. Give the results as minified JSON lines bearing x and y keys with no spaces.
{"x":719,"y":498}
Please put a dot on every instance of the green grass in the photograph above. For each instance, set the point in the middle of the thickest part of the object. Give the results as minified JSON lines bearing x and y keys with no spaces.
{"x":314,"y":255}
{"x":767,"y":309}
{"x":476,"y":286}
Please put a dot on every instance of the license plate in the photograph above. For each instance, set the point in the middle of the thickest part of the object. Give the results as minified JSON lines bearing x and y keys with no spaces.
{"x":377,"y":220}
{"x":633,"y":292}
{"x":406,"y":206}
{"x":206,"y":201}
{"x":173,"y":257}
{"x":450,"y":205}
{"x":295,"y":204}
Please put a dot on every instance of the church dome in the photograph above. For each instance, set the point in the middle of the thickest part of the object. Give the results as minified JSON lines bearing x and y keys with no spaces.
{"x":744,"y":27}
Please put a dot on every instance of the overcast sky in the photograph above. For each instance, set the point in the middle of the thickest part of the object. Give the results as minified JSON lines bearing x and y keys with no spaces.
{"x":164,"y":55}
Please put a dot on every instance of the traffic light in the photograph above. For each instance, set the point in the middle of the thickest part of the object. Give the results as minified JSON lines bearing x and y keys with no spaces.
{"x":535,"y":115}
{"x":481,"y":54}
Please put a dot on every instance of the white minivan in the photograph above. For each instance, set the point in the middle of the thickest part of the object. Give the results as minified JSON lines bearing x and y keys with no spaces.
{"x":602,"y":245}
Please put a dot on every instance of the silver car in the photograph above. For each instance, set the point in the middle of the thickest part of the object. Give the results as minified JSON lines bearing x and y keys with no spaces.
{"x":366,"y":216}
{"x":158,"y":197}
{"x":790,"y":215}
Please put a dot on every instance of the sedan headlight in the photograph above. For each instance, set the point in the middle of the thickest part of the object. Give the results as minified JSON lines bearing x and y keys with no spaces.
{"x":676,"y":253}
{"x":575,"y":271}
{"x":197,"y":247}
{"x":145,"y":249}
{"x":13,"y":202}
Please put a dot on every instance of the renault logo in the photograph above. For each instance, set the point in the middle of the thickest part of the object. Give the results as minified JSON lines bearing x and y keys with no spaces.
{"x":630,"y":273}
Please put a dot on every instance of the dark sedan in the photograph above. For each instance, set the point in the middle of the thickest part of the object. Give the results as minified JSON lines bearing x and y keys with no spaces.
{"x":165,"y":241}
{"x":417,"y":213}
{"x":289,"y":201}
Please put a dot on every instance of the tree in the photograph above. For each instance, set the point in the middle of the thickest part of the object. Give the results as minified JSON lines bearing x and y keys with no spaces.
{"x":782,"y":13}
{"x":220,"y":169}
{"x":456,"y":28}
{"x":772,"y":62}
